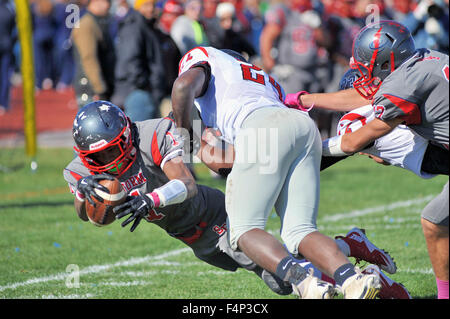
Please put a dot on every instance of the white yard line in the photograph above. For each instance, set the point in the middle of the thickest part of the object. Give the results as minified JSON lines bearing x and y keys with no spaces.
{"x":140,"y":260}
{"x":96,"y":269}
{"x":376,"y":209}
{"x":426,"y":271}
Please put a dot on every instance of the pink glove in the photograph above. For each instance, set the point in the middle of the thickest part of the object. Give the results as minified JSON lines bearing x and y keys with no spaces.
{"x":291,"y":101}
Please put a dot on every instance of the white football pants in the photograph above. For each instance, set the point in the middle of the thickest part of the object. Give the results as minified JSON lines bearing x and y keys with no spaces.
{"x":277,"y":164}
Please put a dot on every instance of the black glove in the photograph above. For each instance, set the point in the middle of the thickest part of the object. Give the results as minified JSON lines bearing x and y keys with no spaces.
{"x":138,"y":206}
{"x":87,"y":185}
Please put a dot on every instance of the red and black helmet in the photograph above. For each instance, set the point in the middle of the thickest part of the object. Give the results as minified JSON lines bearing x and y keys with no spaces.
{"x":100,"y":128}
{"x":378,"y":49}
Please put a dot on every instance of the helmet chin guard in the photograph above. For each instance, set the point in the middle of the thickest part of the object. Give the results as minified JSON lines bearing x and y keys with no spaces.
{"x":379,"y":49}
{"x":99,"y":130}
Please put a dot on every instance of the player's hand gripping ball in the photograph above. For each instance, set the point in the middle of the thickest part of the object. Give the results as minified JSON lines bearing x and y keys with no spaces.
{"x":137,"y":207}
{"x":107,"y":193}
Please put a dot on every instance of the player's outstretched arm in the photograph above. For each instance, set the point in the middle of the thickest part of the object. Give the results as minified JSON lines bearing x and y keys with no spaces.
{"x":175,"y":169}
{"x":180,"y":187}
{"x":356,"y":141}
{"x":341,"y":101}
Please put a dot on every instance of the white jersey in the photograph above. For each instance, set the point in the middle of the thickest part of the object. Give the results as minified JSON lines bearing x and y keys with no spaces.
{"x":235,"y":89}
{"x":401,"y":147}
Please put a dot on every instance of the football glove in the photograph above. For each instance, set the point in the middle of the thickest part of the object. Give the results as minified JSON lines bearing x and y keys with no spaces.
{"x":138,"y":206}
{"x":86,"y":186}
{"x":291,"y":101}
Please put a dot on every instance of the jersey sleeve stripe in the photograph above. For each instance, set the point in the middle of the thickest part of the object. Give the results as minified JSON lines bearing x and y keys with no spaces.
{"x":171,"y":155}
{"x":156,"y":154}
{"x":75,"y":175}
{"x":411,"y":110}
{"x":188,"y":55}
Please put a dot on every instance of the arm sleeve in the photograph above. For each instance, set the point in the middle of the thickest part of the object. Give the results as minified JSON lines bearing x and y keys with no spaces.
{"x":394,"y":99}
{"x":71,"y":178}
{"x":167,"y":142}
{"x":389,"y":106}
{"x":197,"y":57}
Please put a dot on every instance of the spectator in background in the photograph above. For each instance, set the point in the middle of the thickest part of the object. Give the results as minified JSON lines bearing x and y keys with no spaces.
{"x":44,"y":32}
{"x":94,"y":54}
{"x":240,"y":24}
{"x":254,"y":15}
{"x":187,"y":31}
{"x":294,"y":32}
{"x":214,"y":32}
{"x":171,"y":55}
{"x":231,"y":39}
{"x":398,"y":10}
{"x":343,"y":26}
{"x":342,"y":19}
{"x":139,"y":74}
{"x":292,"y":51}
{"x":7,"y":25}
{"x":429,"y":24}
{"x":63,"y":55}
{"x":171,"y":11}
{"x":120,"y":12}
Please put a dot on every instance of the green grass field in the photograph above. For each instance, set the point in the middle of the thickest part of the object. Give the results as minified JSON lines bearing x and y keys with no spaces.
{"x":42,"y":241}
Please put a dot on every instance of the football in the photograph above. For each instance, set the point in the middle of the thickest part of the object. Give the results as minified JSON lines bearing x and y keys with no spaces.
{"x":102,"y":214}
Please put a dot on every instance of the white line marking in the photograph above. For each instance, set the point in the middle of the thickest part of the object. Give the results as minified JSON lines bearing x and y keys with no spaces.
{"x":140,"y":260}
{"x":73,"y":296}
{"x":371,"y":210}
{"x":426,"y":271}
{"x":122,"y":283}
{"x":97,"y":268}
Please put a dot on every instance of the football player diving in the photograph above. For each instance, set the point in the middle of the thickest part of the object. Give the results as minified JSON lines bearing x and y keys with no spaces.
{"x":147,"y":158}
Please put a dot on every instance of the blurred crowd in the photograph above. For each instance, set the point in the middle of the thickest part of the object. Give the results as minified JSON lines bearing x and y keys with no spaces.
{"x":127,"y":51}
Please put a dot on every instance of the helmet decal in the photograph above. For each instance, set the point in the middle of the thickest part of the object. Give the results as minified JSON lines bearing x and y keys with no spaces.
{"x":97,"y":145}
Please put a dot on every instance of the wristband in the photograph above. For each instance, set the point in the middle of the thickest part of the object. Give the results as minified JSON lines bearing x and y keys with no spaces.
{"x":156,"y":201}
{"x":79,"y":196}
{"x":332,"y":147}
{"x":173,"y":192}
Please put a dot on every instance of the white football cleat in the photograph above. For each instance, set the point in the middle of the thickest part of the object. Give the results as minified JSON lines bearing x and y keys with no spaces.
{"x":390,"y":289}
{"x":314,"y":288}
{"x":361,"y":248}
{"x":361,"y":286}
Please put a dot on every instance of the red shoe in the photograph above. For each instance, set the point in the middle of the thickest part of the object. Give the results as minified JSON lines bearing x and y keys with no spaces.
{"x":362,"y":249}
{"x":390,"y":289}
